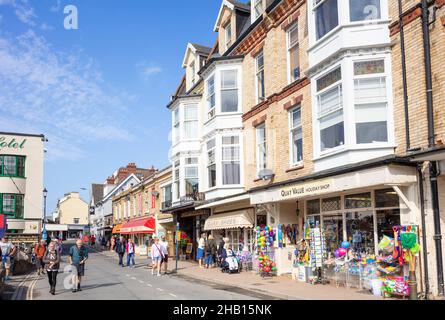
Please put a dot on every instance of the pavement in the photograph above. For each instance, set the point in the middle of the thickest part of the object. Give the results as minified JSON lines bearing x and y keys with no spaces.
{"x":280,"y":287}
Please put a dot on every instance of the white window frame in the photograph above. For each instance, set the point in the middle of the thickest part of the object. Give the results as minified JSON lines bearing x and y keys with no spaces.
{"x":384,"y":76}
{"x":257,"y":13}
{"x":209,"y":94}
{"x":191,"y":165}
{"x":238,"y":145}
{"x":176,"y":125}
{"x":294,"y":162}
{"x":208,"y":164}
{"x":340,"y":86}
{"x":195,"y":120}
{"x":193,"y":70}
{"x":236,"y":87}
{"x":258,"y":146}
{"x":289,"y":47}
{"x":176,"y":192}
{"x":258,"y":71}
{"x":228,"y":35}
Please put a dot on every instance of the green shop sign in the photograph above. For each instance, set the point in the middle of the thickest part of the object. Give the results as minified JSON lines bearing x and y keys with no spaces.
{"x":11,"y":144}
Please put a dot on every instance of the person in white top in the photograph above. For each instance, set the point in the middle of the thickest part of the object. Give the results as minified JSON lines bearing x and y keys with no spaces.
{"x":201,"y":246}
{"x":164,"y":248}
{"x":157,"y":256}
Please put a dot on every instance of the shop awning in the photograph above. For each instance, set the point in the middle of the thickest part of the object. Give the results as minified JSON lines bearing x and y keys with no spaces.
{"x":230,"y":220}
{"x":117,"y":229}
{"x":147,"y":225}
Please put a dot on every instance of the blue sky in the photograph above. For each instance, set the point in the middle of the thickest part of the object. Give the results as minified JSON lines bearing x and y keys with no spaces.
{"x":98,"y":93}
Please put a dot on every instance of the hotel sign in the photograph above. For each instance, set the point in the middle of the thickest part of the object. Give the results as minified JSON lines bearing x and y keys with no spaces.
{"x":11,"y":143}
{"x":305,"y":190}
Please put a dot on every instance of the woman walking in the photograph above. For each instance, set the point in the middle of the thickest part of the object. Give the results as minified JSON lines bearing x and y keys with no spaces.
{"x":210,"y":251}
{"x":201,"y":247}
{"x":156,"y":256}
{"x":52,"y":262}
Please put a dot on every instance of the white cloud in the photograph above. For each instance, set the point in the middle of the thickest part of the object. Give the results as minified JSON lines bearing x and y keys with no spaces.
{"x":23,"y":11}
{"x":46,"y":27}
{"x":152,"y":70}
{"x":148,"y":69}
{"x":61,"y":95}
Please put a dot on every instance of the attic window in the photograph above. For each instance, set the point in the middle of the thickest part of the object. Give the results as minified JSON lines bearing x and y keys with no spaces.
{"x":228,"y":35}
{"x":193,"y":71}
{"x":258,"y":8}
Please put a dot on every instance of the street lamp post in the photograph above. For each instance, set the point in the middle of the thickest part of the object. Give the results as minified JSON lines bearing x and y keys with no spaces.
{"x":45,"y":194}
{"x":177,"y":246}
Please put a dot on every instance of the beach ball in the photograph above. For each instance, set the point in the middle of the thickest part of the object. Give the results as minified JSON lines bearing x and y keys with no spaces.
{"x":337,"y":253}
{"x":267,"y":269}
{"x":345,"y":245}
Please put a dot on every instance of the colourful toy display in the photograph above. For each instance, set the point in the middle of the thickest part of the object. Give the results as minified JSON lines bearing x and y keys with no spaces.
{"x":265,"y":239}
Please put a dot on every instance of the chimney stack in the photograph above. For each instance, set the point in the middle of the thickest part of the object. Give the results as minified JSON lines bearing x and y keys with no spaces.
{"x":110,"y":180}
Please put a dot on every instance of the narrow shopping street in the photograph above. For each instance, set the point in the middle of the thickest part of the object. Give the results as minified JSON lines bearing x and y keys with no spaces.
{"x":105,"y":280}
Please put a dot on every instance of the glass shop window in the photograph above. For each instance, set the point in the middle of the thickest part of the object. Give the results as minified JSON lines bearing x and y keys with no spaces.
{"x":333,"y":226}
{"x":358,"y":201}
{"x":386,"y":198}
{"x":360,"y":231}
{"x":331,"y":204}
{"x":386,"y":220}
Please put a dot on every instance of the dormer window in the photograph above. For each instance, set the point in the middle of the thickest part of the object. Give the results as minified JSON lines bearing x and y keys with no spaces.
{"x":258,"y":8}
{"x":228,"y":36}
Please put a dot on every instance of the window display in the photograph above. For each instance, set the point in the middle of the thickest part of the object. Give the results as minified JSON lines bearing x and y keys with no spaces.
{"x":360,"y":231}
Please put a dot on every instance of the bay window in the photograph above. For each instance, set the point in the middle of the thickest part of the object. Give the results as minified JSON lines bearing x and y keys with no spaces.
{"x":370,"y":102}
{"x":191,"y":175}
{"x":360,"y":10}
{"x":293,"y":53}
{"x":12,"y":166}
{"x":211,"y":101}
{"x":229,"y":91}
{"x":261,"y":94}
{"x":326,"y":16}
{"x":176,"y":179}
{"x":191,"y":122}
{"x":296,"y":135}
{"x":231,"y":160}
{"x":176,"y":125}
{"x":261,"y":147}
{"x":330,"y":110}
{"x":12,"y":205}
{"x":211,"y":163}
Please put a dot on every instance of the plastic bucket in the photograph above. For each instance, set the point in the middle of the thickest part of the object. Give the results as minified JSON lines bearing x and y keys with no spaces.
{"x":376,"y":285}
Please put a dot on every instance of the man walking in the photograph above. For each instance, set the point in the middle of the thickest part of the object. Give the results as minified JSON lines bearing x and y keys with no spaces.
{"x":40,"y":250}
{"x":78,"y":256}
{"x":164,"y":248}
{"x":7,"y":250}
{"x":120,"y":250}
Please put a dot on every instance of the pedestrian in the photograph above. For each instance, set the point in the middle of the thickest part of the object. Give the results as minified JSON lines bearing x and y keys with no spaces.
{"x":7,"y":250}
{"x":52,"y":262}
{"x":210,"y":251}
{"x":93,"y":240}
{"x":221,"y":249}
{"x":120,"y":250}
{"x":201,"y":247}
{"x":130,"y":250}
{"x":103,"y":243}
{"x":59,"y":247}
{"x":40,"y":250}
{"x":113,"y":243}
{"x":78,"y":256}
{"x":156,"y":256}
{"x":164,"y":247}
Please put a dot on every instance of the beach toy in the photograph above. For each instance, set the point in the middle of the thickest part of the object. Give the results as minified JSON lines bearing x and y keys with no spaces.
{"x":345,"y":245}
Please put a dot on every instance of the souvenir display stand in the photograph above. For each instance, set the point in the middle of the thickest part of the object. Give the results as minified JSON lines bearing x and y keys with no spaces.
{"x":317,"y":255}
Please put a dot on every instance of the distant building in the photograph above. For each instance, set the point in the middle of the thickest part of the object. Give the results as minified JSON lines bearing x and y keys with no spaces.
{"x":73,"y":212}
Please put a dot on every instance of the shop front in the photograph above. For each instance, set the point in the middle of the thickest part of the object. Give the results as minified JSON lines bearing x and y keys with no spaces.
{"x":348,"y":229}
{"x":140,"y":231}
{"x":191,"y":225}
{"x":166,"y":227}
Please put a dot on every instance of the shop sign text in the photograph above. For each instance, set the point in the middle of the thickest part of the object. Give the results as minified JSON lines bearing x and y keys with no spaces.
{"x":306,"y":189}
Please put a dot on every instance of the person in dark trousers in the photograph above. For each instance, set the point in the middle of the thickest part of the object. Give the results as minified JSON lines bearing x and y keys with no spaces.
{"x":210,"y":251}
{"x":120,"y":250}
{"x":52,"y":262}
{"x":78,"y":256}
